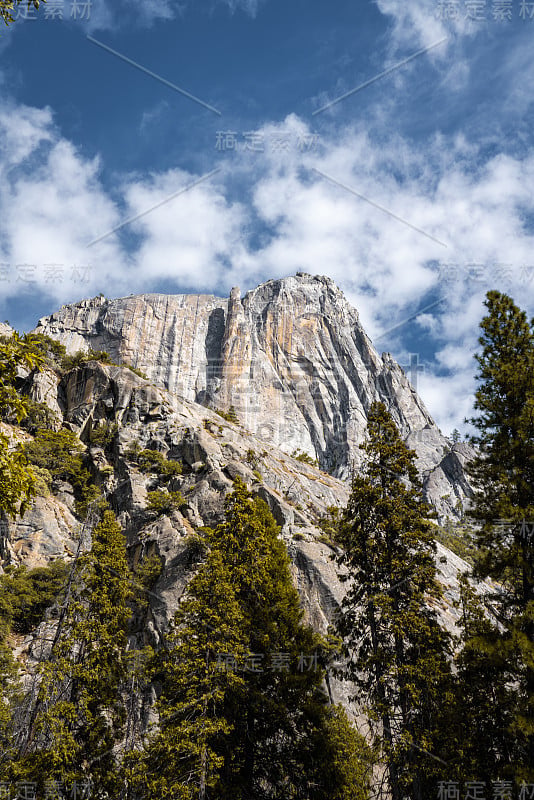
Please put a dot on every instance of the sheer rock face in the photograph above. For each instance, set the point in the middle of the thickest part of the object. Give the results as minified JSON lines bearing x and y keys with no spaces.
{"x":47,"y":532}
{"x":212,"y":452}
{"x":290,"y":356}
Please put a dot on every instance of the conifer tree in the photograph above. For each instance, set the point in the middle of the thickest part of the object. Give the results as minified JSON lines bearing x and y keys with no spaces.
{"x":480,"y":716}
{"x":397,"y":652}
{"x":243,"y":711}
{"x":277,"y":710}
{"x":503,"y":476}
{"x":78,"y":716}
{"x":17,"y":481}
{"x":181,"y":761}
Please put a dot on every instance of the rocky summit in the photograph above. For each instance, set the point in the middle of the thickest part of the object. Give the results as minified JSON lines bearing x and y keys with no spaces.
{"x":273,"y":387}
{"x":290,"y":357}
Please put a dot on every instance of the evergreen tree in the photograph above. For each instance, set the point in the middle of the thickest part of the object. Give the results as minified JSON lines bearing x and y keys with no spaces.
{"x":503,"y":476}
{"x":340,"y":761}
{"x":481,"y":713}
{"x":182,"y":761}
{"x":78,"y":716}
{"x":10,"y":695}
{"x":276,"y":713}
{"x":17,"y":481}
{"x":397,"y":652}
{"x":243,"y":711}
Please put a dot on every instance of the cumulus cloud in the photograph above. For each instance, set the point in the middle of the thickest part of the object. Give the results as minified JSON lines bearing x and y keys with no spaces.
{"x":188,"y":240}
{"x":369,"y":214}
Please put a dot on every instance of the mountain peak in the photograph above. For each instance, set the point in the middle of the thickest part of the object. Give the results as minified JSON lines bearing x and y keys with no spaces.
{"x":290,"y":356}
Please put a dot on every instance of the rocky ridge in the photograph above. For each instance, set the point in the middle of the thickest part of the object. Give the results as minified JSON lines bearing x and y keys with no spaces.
{"x":212,"y":452}
{"x":291,"y":358}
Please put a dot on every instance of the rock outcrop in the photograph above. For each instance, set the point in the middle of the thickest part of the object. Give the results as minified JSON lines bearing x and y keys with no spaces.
{"x":292,"y":359}
{"x":212,"y":451}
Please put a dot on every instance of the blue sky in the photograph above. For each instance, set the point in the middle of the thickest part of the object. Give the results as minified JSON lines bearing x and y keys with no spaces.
{"x":416,"y":187}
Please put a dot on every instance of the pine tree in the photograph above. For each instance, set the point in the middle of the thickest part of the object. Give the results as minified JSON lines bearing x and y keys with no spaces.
{"x":78,"y":716}
{"x":483,"y":702}
{"x":243,"y":711}
{"x":340,"y":761}
{"x":503,"y":476}
{"x":277,"y":709}
{"x":397,"y":652}
{"x":181,"y":760}
{"x":17,"y":480}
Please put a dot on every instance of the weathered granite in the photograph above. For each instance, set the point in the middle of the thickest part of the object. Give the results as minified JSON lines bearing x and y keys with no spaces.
{"x":290,"y":356}
{"x":212,"y":451}
{"x":47,"y":531}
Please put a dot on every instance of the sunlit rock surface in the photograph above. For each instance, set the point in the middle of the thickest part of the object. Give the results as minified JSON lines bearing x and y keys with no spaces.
{"x":290,"y":356}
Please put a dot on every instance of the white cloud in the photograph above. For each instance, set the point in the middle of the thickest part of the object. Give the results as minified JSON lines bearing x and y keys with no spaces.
{"x":53,"y":202}
{"x":420,"y":21}
{"x":189,"y":239}
{"x":143,"y":13}
{"x":249,"y":6}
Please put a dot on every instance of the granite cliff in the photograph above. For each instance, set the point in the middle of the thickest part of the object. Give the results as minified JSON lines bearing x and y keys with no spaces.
{"x":212,"y":451}
{"x":292,"y":359}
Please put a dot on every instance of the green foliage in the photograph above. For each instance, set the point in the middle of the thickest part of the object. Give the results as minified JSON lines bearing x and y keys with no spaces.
{"x":253,"y":459}
{"x":397,"y":652}
{"x":132,"y":451}
{"x":346,"y":759}
{"x":457,"y":538}
{"x":103,"y":435}
{"x":38,"y":416}
{"x":52,"y":351}
{"x":82,"y":357}
{"x":330,"y":523}
{"x":17,"y":480}
{"x":60,"y":453}
{"x":304,"y":458}
{"x":15,"y":352}
{"x":78,"y":715}
{"x":146,"y":573}
{"x":138,"y":372}
{"x":503,"y":476}
{"x":482,"y":713}
{"x":456,"y":436}
{"x":7,"y":6}
{"x":163,"y":502}
{"x":10,"y":697}
{"x":43,"y":482}
{"x":229,"y":416}
{"x":148,"y":570}
{"x":90,"y":498}
{"x":26,"y":594}
{"x":154,"y":461}
{"x":196,"y":547}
